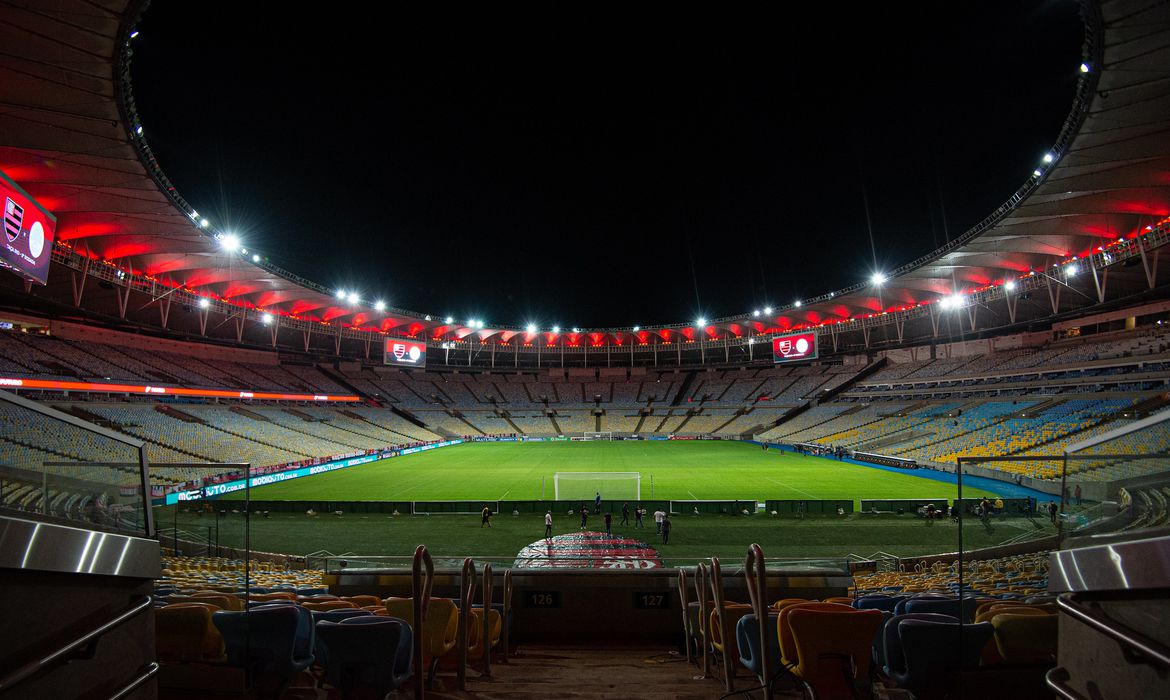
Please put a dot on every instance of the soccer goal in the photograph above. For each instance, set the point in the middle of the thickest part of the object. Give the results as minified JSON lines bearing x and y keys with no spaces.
{"x":604,"y":435}
{"x":613,"y":486}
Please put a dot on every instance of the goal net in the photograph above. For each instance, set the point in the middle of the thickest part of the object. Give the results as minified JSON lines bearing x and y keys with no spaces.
{"x":613,"y":486}
{"x":604,"y":435}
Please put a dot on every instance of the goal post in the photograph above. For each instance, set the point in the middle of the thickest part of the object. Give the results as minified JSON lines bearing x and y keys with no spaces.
{"x":584,"y":486}
{"x":596,"y":435}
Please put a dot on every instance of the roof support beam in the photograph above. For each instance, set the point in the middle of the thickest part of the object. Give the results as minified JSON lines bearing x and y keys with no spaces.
{"x":164,"y":311}
{"x":935,"y":313}
{"x":1053,"y":293}
{"x":239,"y":319}
{"x":203,"y":313}
{"x":273,"y":329}
{"x":1011,"y":299}
{"x":123,"y":293}
{"x":337,"y":340}
{"x":899,"y":324}
{"x":306,"y":335}
{"x":79,"y":282}
{"x":1151,"y":272}
{"x":1099,"y":281}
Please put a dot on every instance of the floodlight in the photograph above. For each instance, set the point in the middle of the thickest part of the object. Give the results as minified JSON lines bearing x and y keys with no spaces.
{"x":944,"y":303}
{"x":138,"y":130}
{"x":352,"y":297}
{"x":379,"y":305}
{"x":340,"y":293}
{"x":1048,"y":157}
{"x":1071,"y":270}
{"x":798,"y":303}
{"x":701,"y":322}
{"x":205,"y":223}
{"x":878,"y":278}
{"x":956,"y":300}
{"x":230,"y":241}
{"x":1084,"y":67}
{"x":204,"y":303}
{"x":449,"y":320}
{"x":479,"y":324}
{"x":637,"y":328}
{"x":1036,"y":173}
{"x":576,"y":329}
{"x":756,"y":313}
{"x":531,"y":328}
{"x":1010,"y":285}
{"x":134,"y":34}
{"x":556,"y":329}
{"x":768,"y":309}
{"x":266,"y":318}
{"x":255,"y":258}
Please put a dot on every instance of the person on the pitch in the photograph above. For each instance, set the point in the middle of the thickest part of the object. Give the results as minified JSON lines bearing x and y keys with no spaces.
{"x":639,"y":511}
{"x":597,"y":503}
{"x":584,"y":516}
{"x":625,"y":513}
{"x":666,"y":528}
{"x":548,"y":525}
{"x":609,"y":523}
{"x":485,"y":517}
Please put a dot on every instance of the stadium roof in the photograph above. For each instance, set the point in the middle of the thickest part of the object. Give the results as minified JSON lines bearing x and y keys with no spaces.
{"x":69,"y":136}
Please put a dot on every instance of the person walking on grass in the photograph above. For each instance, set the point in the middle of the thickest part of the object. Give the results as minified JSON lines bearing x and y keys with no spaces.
{"x":659,"y":516}
{"x":548,"y":525}
{"x":639,"y":511}
{"x":485,"y":517}
{"x":597,"y":503}
{"x":584,"y":516}
{"x":665,"y":529}
{"x":625,"y":513}
{"x":609,"y":523}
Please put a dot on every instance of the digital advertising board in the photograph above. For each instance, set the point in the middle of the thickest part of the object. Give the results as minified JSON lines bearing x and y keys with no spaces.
{"x":406,"y":353}
{"x":29,"y":231}
{"x":794,"y":346}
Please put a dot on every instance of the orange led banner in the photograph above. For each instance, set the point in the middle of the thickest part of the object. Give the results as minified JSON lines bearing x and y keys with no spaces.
{"x":52,"y":384}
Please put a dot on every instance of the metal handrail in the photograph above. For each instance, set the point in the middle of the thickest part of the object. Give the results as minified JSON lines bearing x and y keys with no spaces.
{"x":685,"y":605}
{"x":1057,"y":680}
{"x":505,"y":638}
{"x":16,"y":676}
{"x":716,"y":581}
{"x":757,"y":585}
{"x":1147,"y":649}
{"x":149,"y":671}
{"x":701,"y":595}
{"x":487,"y":609}
{"x":466,"y":594}
{"x":420,"y":591}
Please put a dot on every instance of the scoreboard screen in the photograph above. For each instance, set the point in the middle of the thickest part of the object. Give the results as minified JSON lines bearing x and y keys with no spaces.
{"x":405,"y":353}
{"x":27,"y":245}
{"x":794,"y":346}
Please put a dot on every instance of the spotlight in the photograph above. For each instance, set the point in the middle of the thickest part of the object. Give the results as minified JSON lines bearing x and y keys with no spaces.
{"x":1071,"y":271}
{"x":756,"y":313}
{"x":204,"y":303}
{"x":205,"y":223}
{"x":798,"y":303}
{"x":230,"y":242}
{"x":255,"y":258}
{"x":944,"y":303}
{"x":576,"y":329}
{"x":340,"y":293}
{"x":637,"y":328}
{"x":479,"y":324}
{"x":956,"y":300}
{"x":878,"y":279}
{"x":471,"y":323}
{"x":1036,"y":173}
{"x":134,"y":34}
{"x":531,"y":328}
{"x":379,"y":306}
{"x":700,"y":322}
{"x":1048,"y":157}
{"x":352,"y":297}
{"x":138,"y":130}
{"x":1084,"y":67}
{"x":768,"y":310}
{"x":556,"y":329}
{"x":1010,"y":285}
{"x":266,"y":318}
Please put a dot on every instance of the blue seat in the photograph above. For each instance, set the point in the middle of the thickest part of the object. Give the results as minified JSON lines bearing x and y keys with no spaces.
{"x":937,"y":653}
{"x":877,"y":602}
{"x":372,"y":652}
{"x":333,"y":616}
{"x":253,"y":604}
{"x":964,"y":609}
{"x":312,"y":591}
{"x":900,"y":608}
{"x":888,"y":647}
{"x":276,"y":641}
{"x":747,"y":634}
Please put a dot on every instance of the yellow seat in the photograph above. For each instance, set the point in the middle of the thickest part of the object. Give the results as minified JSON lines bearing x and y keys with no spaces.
{"x":442,"y":624}
{"x":183,"y":632}
{"x":1025,"y":639}
{"x":833,"y":648}
{"x":327,"y":605}
{"x":733,"y":612}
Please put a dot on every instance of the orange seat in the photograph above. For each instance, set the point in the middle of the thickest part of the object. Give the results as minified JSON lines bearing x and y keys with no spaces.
{"x":363,"y":600}
{"x":220,"y":602}
{"x":262,"y":597}
{"x":843,"y":600}
{"x":1026,"y":639}
{"x":441,"y":629}
{"x":327,"y":605}
{"x":183,"y":632}
{"x":784,"y":632}
{"x":833,"y":649}
{"x":733,"y":612}
{"x":785,"y":602}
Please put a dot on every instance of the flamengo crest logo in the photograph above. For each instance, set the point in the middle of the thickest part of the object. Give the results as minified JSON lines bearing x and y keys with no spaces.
{"x":13,"y":218}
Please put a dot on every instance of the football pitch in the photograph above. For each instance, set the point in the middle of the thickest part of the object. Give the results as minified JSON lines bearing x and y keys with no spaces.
{"x":670,"y":470}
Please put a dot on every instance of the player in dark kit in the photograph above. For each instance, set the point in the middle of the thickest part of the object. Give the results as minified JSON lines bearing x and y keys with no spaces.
{"x":625,"y":514}
{"x":486,"y":517}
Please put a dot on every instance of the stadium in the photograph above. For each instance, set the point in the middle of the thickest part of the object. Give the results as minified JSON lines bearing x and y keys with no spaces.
{"x":220,"y":478}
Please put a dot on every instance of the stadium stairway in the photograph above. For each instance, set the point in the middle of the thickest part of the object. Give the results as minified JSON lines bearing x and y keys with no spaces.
{"x":683,"y":390}
{"x":508,"y":418}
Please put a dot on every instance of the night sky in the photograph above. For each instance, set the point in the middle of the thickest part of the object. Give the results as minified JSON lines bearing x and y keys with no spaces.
{"x":589,"y":168}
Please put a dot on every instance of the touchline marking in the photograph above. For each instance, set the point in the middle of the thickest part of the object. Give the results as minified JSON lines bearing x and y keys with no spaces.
{"x":774,"y":481}
{"x":505,"y":495}
{"x":694,"y":496}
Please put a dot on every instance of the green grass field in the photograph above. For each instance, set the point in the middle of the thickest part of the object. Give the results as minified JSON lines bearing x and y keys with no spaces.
{"x":680,"y":470}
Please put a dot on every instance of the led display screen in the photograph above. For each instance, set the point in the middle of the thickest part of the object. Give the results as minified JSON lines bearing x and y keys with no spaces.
{"x":406,"y":353}
{"x":794,"y":346}
{"x":29,"y":228}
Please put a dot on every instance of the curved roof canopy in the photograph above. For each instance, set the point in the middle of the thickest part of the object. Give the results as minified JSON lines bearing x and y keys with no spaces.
{"x":69,"y":136}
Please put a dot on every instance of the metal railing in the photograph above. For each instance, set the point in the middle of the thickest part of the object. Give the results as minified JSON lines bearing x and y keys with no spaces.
{"x":69,"y":650}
